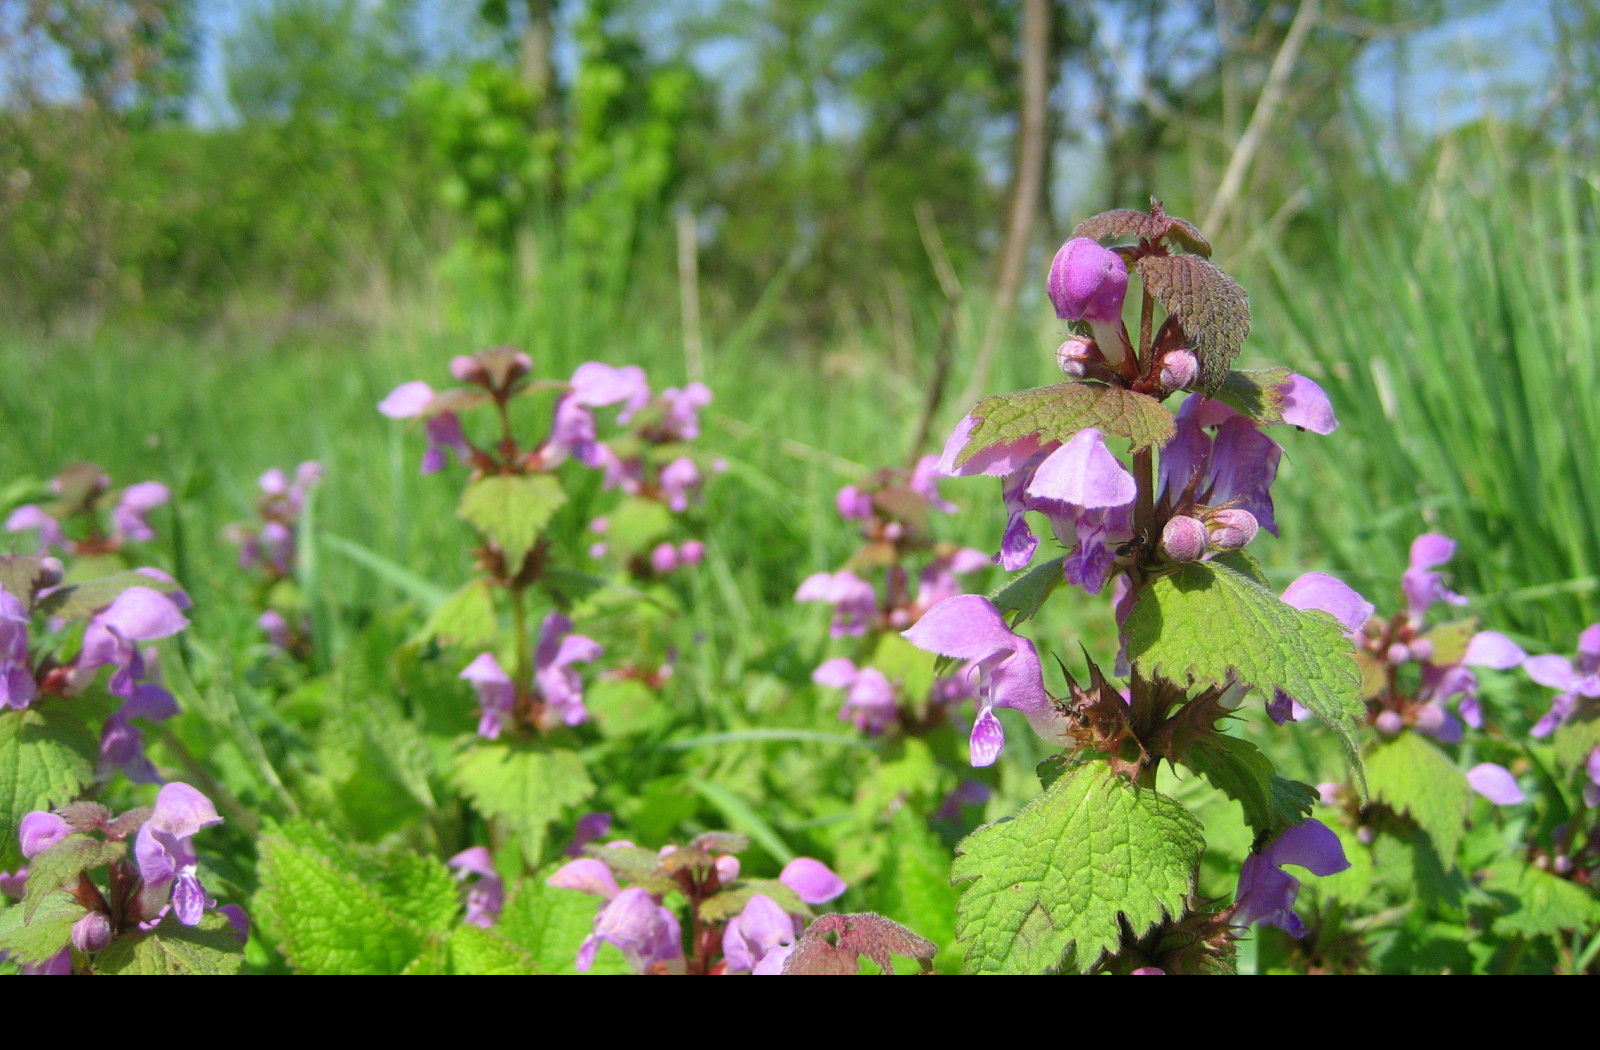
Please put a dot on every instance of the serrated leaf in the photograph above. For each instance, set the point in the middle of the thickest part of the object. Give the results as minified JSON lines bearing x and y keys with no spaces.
{"x":550,"y":924}
{"x":1055,"y":413}
{"x":511,"y":510}
{"x":466,"y":619}
{"x":1239,"y":770}
{"x":731,"y":901}
{"x":19,"y":574}
{"x":1025,"y":595}
{"x":1053,"y":885}
{"x":1210,"y":619}
{"x":79,"y":601}
{"x":913,"y":886}
{"x":340,"y":909}
{"x":61,"y":864}
{"x":525,"y":784}
{"x":1538,"y":902}
{"x":1450,"y":641}
{"x":1412,"y":776}
{"x":47,"y":755}
{"x":1255,"y":393}
{"x":637,"y":525}
{"x":1125,"y":222}
{"x":1576,"y":739}
{"x":32,"y":941}
{"x":479,"y":951}
{"x":1213,"y":310}
{"x":172,"y":949}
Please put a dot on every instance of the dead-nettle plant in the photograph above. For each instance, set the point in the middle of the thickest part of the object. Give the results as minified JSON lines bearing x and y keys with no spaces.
{"x":517,"y":614}
{"x":1099,"y":872}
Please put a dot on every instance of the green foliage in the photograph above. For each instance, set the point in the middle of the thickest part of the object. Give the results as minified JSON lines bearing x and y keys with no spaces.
{"x":77,"y":601}
{"x":1210,"y":620}
{"x":335,"y":908}
{"x":1056,"y":413}
{"x":59,"y":867}
{"x":34,"y":939}
{"x":479,"y":951}
{"x":1213,"y":310}
{"x":511,"y":510}
{"x":1239,"y":770}
{"x":1026,"y":594}
{"x":1254,"y":393}
{"x":913,"y":885}
{"x":549,"y":924}
{"x":1052,"y":886}
{"x":1412,"y":776}
{"x":526,"y":784}
{"x":1538,"y":902}
{"x":47,"y":755}
{"x":466,"y":619}
{"x":172,"y":949}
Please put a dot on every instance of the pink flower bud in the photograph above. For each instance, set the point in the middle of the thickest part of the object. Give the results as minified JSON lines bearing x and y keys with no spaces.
{"x":1398,"y":654}
{"x":1232,"y":529}
{"x":1179,"y":369}
{"x":1389,"y":723}
{"x":664,"y":558}
{"x":691,"y":552}
{"x":1087,"y":282}
{"x":1184,"y":538}
{"x":92,"y":932}
{"x":1076,"y":354}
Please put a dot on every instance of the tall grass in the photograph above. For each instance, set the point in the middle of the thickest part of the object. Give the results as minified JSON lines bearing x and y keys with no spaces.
{"x":1455,"y":330}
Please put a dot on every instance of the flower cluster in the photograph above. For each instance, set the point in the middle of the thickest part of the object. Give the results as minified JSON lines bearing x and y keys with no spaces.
{"x":756,"y":939}
{"x":137,"y":893}
{"x":270,"y":547}
{"x":74,"y":521}
{"x":553,"y":698}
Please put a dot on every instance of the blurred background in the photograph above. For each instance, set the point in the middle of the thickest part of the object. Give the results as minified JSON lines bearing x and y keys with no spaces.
{"x":308,"y":199}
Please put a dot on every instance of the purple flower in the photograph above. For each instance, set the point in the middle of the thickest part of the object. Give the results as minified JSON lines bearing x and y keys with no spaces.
{"x":130,"y":519}
{"x":760,"y":928}
{"x":17,"y":684}
{"x":812,"y":881}
{"x":167,"y":859}
{"x":411,"y":401}
{"x":1087,"y":282}
{"x":969,"y":627}
{"x":1088,"y":496}
{"x":680,"y":480}
{"x":682,"y":422}
{"x":938,"y":579}
{"x":853,"y":504}
{"x":39,"y":831}
{"x":646,"y":932}
{"x":855,"y":603}
{"x":596,"y":384}
{"x":121,"y":742}
{"x":1318,"y":590}
{"x":925,"y":483}
{"x":1495,"y":783}
{"x":1579,"y":678}
{"x":487,"y":897}
{"x":1422,"y":587}
{"x":869,"y":703}
{"x":555,"y":680}
{"x":1266,"y":892}
{"x":28,"y":517}
{"x":590,"y":827}
{"x":138,"y":614}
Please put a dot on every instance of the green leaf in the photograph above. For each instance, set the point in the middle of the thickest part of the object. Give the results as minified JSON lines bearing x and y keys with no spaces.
{"x":1239,"y":770}
{"x":32,"y":941}
{"x":47,"y":755}
{"x":1539,"y":902}
{"x":913,"y":886}
{"x":525,"y":784}
{"x":1025,"y":595}
{"x":731,"y":901}
{"x":637,"y":525}
{"x":208,"y":950}
{"x":61,"y":864}
{"x":1053,"y":886}
{"x":20,"y":574}
{"x":1412,"y":776}
{"x":904,"y":665}
{"x":550,"y":923}
{"x":1213,"y":310}
{"x":479,"y":951}
{"x":79,"y":601}
{"x":1055,"y":413}
{"x":466,"y":619}
{"x":339,"y":909}
{"x":1255,"y":393}
{"x":511,"y":510}
{"x":1576,"y":739}
{"x":1352,"y":885}
{"x":1210,"y":619}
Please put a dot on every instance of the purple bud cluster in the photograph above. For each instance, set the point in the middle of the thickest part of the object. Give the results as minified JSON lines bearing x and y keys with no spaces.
{"x":74,"y":521}
{"x":554,"y":697}
{"x":270,"y":547}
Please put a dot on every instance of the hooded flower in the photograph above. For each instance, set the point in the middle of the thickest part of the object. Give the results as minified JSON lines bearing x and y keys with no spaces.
{"x":130,"y":519}
{"x":969,"y":627}
{"x":1575,"y":679}
{"x":17,"y":685}
{"x":411,"y":401}
{"x":487,"y":897}
{"x":1266,"y":892}
{"x":855,"y":603}
{"x":137,"y":615}
{"x":761,"y":928}
{"x":555,"y":681}
{"x":167,"y":859}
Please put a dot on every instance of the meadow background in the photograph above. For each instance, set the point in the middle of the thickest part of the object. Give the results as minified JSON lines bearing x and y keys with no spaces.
{"x":227,"y":231}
